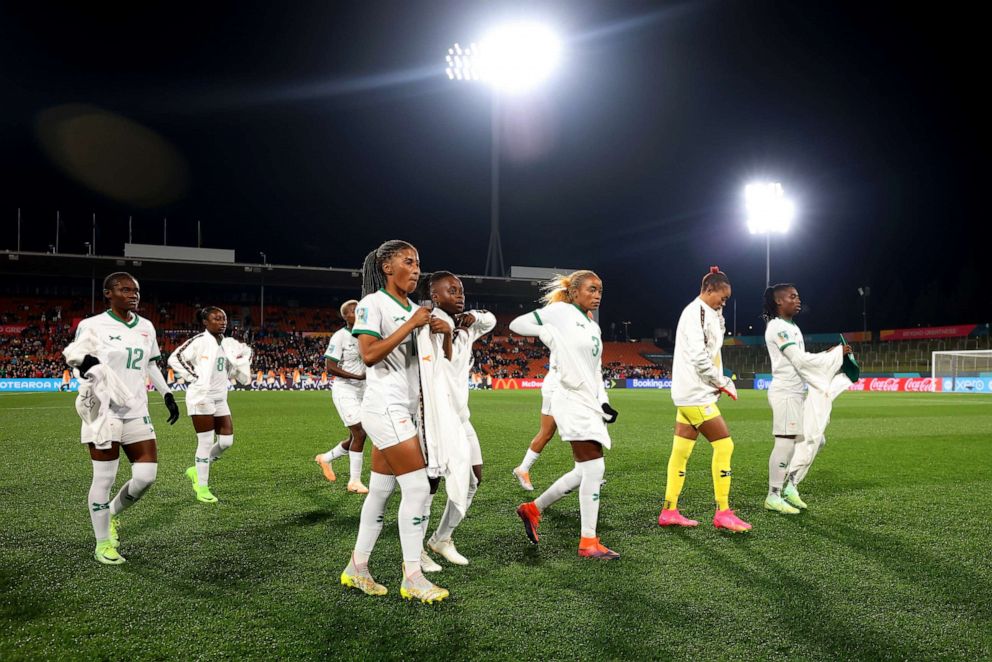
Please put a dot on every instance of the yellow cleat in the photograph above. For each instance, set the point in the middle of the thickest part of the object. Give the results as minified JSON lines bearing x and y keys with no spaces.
{"x":419,"y":588}
{"x":363,"y":582}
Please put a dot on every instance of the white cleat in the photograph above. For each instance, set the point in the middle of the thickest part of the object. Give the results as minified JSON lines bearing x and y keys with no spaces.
{"x":446,"y":548}
{"x":524,"y":478}
{"x":427,"y":564}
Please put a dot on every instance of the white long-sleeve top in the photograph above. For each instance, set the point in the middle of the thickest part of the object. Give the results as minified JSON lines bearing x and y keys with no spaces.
{"x":697,"y":366}
{"x":577,"y":345}
{"x":208,"y":366}
{"x":461,"y":351}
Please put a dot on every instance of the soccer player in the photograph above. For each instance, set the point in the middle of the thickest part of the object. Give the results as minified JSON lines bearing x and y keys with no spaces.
{"x":580,"y":404}
{"x":786,"y":396}
{"x":448,"y":296}
{"x":385,"y":320}
{"x":697,"y":382}
{"x":545,"y":432}
{"x":125,"y":344}
{"x":206,"y":362}
{"x":343,"y":360}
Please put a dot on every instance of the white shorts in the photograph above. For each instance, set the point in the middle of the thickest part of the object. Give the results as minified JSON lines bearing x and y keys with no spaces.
{"x":546,"y":403}
{"x":787,"y":413}
{"x":124,"y":432}
{"x":475,"y":449}
{"x":209,"y":407}
{"x":348,"y":402}
{"x":578,"y":421}
{"x":390,"y":427}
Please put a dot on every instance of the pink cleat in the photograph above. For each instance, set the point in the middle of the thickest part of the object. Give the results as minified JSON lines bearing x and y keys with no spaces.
{"x":674,"y":518}
{"x":726,"y":519}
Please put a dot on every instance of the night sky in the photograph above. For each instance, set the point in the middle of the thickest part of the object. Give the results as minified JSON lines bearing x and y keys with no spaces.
{"x":316,"y":132}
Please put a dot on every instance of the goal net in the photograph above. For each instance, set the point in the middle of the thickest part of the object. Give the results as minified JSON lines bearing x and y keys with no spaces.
{"x":963,"y":371}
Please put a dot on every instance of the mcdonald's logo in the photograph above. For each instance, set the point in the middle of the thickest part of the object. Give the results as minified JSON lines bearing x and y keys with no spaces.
{"x":506,"y":383}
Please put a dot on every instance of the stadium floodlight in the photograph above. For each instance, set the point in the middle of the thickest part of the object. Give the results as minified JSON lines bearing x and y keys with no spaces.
{"x":511,"y":58}
{"x":768,"y":211}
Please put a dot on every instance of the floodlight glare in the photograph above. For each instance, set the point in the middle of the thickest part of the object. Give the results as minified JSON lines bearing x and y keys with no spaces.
{"x":512,"y":58}
{"x":768,"y":210}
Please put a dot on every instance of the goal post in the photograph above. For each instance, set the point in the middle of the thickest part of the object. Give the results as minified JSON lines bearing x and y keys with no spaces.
{"x":964,"y":371}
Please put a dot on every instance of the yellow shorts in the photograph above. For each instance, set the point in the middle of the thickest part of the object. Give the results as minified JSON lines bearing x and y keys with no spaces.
{"x":696,"y":416}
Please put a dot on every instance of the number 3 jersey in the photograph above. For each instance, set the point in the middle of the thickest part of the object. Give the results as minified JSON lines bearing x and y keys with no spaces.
{"x":578,"y":351}
{"x":126,"y":347}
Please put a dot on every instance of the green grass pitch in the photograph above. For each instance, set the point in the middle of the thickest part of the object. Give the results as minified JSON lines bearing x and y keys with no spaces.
{"x":892,"y":561}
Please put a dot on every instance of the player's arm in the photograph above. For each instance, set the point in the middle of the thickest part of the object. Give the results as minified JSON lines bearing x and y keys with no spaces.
{"x":374,"y":348}
{"x":181,"y":361}
{"x":332,"y":366}
{"x":438,"y":325}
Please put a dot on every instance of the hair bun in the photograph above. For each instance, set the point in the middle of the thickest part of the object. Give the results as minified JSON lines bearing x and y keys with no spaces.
{"x":714,"y":270}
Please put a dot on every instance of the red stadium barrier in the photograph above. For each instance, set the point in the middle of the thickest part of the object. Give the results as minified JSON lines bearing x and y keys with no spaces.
{"x":927,"y":332}
{"x":897,"y":384}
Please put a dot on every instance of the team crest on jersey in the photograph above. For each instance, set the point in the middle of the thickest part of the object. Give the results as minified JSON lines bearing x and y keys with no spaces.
{"x":362,"y":314}
{"x":784,"y":335}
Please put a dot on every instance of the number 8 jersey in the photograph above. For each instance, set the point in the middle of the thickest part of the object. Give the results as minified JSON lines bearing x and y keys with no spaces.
{"x":126,"y":347}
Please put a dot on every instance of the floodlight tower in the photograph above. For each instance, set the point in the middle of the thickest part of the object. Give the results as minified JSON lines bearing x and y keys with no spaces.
{"x":768,"y":211}
{"x":512,"y":59}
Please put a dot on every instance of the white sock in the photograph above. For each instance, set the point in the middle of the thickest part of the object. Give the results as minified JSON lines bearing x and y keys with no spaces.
{"x":592,"y":476}
{"x":204,"y":445}
{"x":335,"y":453}
{"x":142,"y":476}
{"x":381,"y":486}
{"x":425,"y":521}
{"x":559,"y":488}
{"x":473,"y":487}
{"x":778,"y":464}
{"x":104,"y":473}
{"x":224,"y":441}
{"x":415,"y":490}
{"x":355,"y":465}
{"x":529,"y":459}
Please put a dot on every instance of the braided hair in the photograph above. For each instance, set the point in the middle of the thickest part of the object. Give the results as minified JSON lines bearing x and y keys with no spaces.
{"x":769,"y":306}
{"x":373,"y":277}
{"x":714,"y":280}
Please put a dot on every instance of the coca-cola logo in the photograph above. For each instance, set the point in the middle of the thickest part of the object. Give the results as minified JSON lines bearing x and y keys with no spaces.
{"x":884,"y":384}
{"x":920,"y":385}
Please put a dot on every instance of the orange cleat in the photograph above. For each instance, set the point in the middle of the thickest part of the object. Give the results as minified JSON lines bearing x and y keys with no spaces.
{"x":591,"y":548}
{"x":531,"y":517}
{"x":325,"y":466}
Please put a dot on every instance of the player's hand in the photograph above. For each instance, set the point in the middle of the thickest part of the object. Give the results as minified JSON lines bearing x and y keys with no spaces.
{"x":170,"y":404}
{"x":466,"y":320}
{"x":729,"y":388}
{"x":438,"y":325}
{"x":420,"y":317}
{"x":611,"y":412}
{"x":88,"y":362}
{"x":848,"y":350}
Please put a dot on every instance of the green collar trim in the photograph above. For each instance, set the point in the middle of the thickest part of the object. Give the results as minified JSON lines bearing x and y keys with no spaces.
{"x":408,"y":307}
{"x":579,"y":308}
{"x":133,"y":323}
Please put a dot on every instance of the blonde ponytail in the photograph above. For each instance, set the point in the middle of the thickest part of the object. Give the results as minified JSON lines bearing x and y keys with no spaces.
{"x":560,"y":288}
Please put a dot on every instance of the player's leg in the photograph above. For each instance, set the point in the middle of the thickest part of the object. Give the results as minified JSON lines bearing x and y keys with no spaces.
{"x":356,"y":446}
{"x":716,"y":431}
{"x":381,"y":486}
{"x":441,"y":541}
{"x":406,"y":461}
{"x":199,"y":473}
{"x":678,"y":460}
{"x":105,"y":463}
{"x":537,"y":444}
{"x":588,"y":456}
{"x":143,"y":456}
{"x":349,"y":410}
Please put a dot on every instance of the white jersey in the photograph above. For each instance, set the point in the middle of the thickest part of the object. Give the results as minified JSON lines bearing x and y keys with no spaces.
{"x":780,"y":334}
{"x":343,"y":350}
{"x":461,"y":350}
{"x":126,"y":348}
{"x":577,"y":352}
{"x":395,"y":380}
{"x":203,"y":360}
{"x":697,"y":367}
{"x":551,"y":379}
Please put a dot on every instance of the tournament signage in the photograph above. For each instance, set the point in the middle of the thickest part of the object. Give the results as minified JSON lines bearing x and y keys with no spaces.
{"x":511,"y":383}
{"x":924,"y":333}
{"x":12,"y":329}
{"x":649,"y":383}
{"x":28,"y":385}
